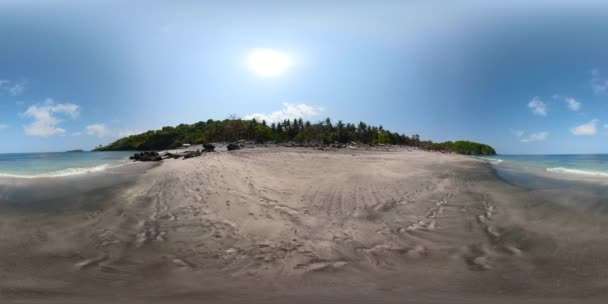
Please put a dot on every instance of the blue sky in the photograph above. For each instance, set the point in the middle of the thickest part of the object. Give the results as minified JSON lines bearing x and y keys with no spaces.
{"x":523,"y":78}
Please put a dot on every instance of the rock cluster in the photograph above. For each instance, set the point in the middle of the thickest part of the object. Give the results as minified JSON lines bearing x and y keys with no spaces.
{"x":146,"y":156}
{"x":191,"y":154}
{"x":172,"y":155}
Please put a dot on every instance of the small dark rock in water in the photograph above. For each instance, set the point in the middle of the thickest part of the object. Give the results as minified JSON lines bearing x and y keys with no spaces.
{"x":209,"y":147}
{"x":146,"y":156}
{"x":233,"y":147}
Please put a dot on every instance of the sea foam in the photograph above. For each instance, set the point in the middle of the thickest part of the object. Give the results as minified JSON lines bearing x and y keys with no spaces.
{"x":577,"y":171}
{"x":491,"y":160}
{"x":63,"y":172}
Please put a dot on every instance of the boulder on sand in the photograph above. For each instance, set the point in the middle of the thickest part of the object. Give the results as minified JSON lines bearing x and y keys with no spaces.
{"x":209,"y":147}
{"x":233,"y":147}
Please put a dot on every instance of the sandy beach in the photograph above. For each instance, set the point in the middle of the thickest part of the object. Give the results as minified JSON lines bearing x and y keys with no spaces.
{"x":299,"y":225}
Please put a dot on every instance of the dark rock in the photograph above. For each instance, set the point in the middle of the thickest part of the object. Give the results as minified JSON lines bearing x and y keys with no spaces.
{"x":172,"y":155}
{"x":146,"y":156}
{"x":209,"y":147}
{"x":233,"y":147}
{"x":191,"y":154}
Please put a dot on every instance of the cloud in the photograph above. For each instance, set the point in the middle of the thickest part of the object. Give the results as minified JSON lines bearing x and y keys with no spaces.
{"x":573,"y":104}
{"x":289,"y":111}
{"x":518,"y":133}
{"x":598,"y":85}
{"x":99,"y":130}
{"x":102,"y":130}
{"x":45,"y":117}
{"x":16,"y":89}
{"x":3,"y":126}
{"x":68,"y":109}
{"x":589,"y":128}
{"x":11,"y":87}
{"x":538,"y":106}
{"x":540,"y":136}
{"x":125,"y":133}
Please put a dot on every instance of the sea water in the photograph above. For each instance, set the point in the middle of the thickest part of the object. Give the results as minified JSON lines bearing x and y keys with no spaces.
{"x":575,"y":181}
{"x":557,"y":164}
{"x":57,"y":164}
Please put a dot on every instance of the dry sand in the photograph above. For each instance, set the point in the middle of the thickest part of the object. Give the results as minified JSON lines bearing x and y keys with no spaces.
{"x":304,"y":226}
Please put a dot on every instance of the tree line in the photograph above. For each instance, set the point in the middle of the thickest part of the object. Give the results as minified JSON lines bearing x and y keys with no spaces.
{"x":296,"y":130}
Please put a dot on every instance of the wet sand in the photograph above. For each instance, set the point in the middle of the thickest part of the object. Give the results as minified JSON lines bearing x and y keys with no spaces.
{"x":303,"y":226}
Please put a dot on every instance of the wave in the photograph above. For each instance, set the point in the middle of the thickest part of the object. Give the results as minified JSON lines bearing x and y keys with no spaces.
{"x":577,"y":171}
{"x":64,"y":172}
{"x":490,"y":160}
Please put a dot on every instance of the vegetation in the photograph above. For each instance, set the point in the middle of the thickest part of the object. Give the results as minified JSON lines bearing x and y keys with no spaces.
{"x":296,"y":130}
{"x":460,"y":147}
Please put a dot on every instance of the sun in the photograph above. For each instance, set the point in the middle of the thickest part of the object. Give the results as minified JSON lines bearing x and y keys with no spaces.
{"x":269,"y":63}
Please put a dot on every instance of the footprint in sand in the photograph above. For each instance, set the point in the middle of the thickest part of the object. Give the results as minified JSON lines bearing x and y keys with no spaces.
{"x":320,"y":266}
{"x":477,"y":258}
{"x":182,"y":263}
{"x":417,"y":251}
{"x":493,"y":231}
{"x":91,"y":262}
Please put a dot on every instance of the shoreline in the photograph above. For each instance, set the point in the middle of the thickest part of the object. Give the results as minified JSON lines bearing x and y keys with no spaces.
{"x":555,"y":172}
{"x":66,"y":193}
{"x":299,"y":225}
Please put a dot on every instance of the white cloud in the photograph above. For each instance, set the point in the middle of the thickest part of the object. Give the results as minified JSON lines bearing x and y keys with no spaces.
{"x":11,"y":87}
{"x":99,"y":130}
{"x":16,"y":89}
{"x":289,"y":111}
{"x":3,"y":126}
{"x":45,"y":117}
{"x":599,"y":85}
{"x":538,"y":106}
{"x":540,"y":136}
{"x":125,"y":133}
{"x":573,"y":104}
{"x":68,"y":109}
{"x":589,"y":128}
{"x":518,"y":133}
{"x":102,"y":130}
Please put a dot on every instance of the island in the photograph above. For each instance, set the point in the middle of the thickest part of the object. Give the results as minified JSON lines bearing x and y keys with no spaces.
{"x":295,"y":132}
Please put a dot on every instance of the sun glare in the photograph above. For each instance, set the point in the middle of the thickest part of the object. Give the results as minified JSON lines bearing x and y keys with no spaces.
{"x":269,"y":63}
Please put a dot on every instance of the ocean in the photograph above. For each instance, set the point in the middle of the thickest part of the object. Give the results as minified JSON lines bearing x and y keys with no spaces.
{"x":556,"y":164}
{"x":576,"y":181}
{"x":56,"y":164}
